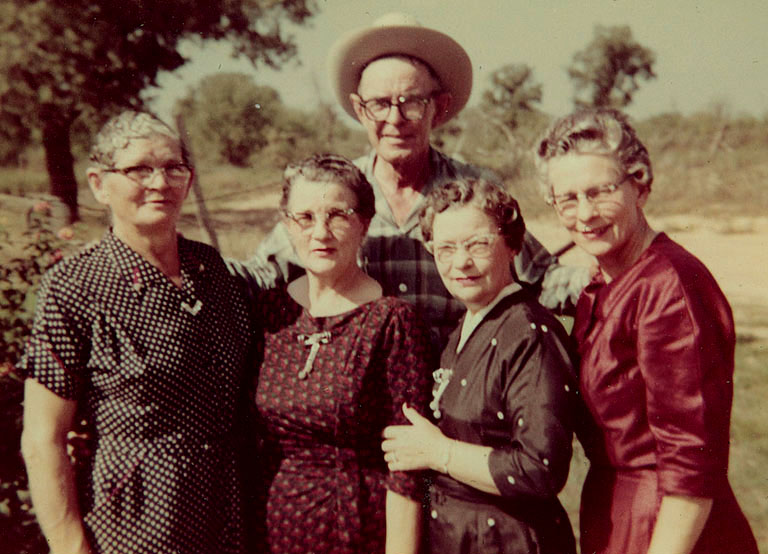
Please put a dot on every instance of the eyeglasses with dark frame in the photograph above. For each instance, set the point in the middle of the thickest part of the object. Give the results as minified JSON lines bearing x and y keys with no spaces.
{"x":477,"y":247}
{"x":176,"y":174}
{"x":411,"y":108}
{"x":336,"y":219}
{"x":567,"y":204}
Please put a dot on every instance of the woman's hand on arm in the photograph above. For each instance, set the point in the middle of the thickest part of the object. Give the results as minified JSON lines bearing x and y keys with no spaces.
{"x":47,"y":419}
{"x":422,"y":445}
{"x":679,"y":524}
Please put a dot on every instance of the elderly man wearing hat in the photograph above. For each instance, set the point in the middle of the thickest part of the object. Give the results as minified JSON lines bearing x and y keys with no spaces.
{"x":400,"y":81}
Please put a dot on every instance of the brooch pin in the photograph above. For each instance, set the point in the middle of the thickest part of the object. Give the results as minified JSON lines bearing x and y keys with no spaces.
{"x":314,"y":341}
{"x":442,"y":377}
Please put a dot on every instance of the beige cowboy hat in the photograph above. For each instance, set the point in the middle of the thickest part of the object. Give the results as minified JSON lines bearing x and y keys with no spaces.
{"x":398,"y":33}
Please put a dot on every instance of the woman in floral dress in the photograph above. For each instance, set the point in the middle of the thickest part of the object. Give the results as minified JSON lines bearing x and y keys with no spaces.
{"x":339,"y":361}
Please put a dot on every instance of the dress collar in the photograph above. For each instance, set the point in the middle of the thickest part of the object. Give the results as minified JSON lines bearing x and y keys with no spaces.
{"x":471,"y":322}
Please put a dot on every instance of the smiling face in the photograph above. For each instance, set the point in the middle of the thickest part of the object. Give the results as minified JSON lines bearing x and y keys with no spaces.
{"x":141,"y":209}
{"x":475,"y":282}
{"x":324,"y":251}
{"x":397,"y":140}
{"x":610,"y":229}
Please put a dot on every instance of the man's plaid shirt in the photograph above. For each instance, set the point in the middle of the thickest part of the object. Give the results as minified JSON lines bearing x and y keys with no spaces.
{"x":395,"y":256}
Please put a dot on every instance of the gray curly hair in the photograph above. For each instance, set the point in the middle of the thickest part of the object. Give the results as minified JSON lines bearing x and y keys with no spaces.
{"x":125,"y":127}
{"x":500,"y":207}
{"x":602,"y":131}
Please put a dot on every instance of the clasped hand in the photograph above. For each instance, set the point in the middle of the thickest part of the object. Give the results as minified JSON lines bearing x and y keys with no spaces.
{"x":413,"y":447}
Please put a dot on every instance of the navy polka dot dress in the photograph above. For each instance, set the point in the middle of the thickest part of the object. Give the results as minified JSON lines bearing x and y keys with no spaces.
{"x":157,"y":371}
{"x":326,"y":481}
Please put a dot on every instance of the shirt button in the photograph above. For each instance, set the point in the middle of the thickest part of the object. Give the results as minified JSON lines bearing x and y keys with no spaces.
{"x":491,"y":522}
{"x":463,"y":382}
{"x":544,"y":328}
{"x":434,"y":514}
{"x":520,"y":422}
{"x":533,"y":326}
{"x":567,"y":388}
{"x":511,"y":480}
{"x":545,"y":461}
{"x":500,"y":415}
{"x":494,"y":342}
{"x":402,"y":287}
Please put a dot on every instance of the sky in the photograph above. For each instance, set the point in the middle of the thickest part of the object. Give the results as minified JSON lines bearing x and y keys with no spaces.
{"x":708,"y":52}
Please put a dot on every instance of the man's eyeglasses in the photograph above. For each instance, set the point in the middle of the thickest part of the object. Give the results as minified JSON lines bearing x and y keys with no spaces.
{"x":477,"y":247}
{"x":568,"y":204}
{"x":411,"y":108}
{"x":176,"y":174}
{"x":336,"y":219}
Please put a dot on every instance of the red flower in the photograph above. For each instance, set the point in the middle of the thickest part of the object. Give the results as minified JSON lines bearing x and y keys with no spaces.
{"x":65,"y":233}
{"x":42,"y":207}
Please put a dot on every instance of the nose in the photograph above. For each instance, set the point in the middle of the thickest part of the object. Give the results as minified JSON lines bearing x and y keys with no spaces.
{"x":320,"y":228}
{"x":462,"y":258}
{"x":158,"y":180}
{"x":585,"y":210}
{"x":394,"y":116}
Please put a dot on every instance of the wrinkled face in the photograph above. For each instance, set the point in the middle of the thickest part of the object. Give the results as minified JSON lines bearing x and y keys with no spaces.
{"x":474,"y":281}
{"x":605,"y":226}
{"x":329,"y":245}
{"x":396,"y":139}
{"x":140,"y":208}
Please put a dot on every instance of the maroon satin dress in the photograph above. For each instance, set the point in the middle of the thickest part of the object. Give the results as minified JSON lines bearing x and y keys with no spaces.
{"x":657,"y":361}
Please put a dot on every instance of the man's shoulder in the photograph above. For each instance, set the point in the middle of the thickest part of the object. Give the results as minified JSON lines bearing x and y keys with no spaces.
{"x":452,"y":168}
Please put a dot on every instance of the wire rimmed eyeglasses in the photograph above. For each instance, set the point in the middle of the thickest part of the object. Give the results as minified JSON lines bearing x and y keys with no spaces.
{"x":476,"y":247}
{"x":176,"y":174}
{"x":336,"y":219}
{"x":411,"y":108}
{"x":568,"y":204}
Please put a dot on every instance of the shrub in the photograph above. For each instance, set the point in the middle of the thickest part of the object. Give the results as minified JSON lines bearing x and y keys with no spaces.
{"x":25,"y":261}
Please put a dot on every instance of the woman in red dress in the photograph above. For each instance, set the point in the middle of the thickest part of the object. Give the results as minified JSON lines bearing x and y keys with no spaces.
{"x":656,"y":341}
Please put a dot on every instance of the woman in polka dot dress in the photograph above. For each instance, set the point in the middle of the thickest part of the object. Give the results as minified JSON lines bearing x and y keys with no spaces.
{"x":339,"y":361}
{"x":144,"y":334}
{"x":504,"y":394}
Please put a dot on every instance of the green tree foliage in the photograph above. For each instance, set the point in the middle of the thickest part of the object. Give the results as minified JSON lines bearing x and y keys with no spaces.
{"x":60,"y":59}
{"x":607,"y":71}
{"x":231,"y":115}
{"x":512,"y":93}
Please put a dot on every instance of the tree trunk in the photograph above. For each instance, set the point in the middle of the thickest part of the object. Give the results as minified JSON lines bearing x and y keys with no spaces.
{"x":60,"y":164}
{"x":203,"y":217}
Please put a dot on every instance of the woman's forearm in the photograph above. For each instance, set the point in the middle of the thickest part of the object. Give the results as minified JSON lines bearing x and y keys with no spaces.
{"x":403,"y":517}
{"x":51,"y":485}
{"x":679,"y":524}
{"x":467,"y":463}
{"x":47,"y":419}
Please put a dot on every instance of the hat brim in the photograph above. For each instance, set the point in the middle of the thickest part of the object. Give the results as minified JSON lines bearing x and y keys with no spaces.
{"x":349,"y":56}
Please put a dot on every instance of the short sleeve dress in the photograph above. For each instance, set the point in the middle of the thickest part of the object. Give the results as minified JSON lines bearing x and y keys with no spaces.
{"x":511,"y":387}
{"x":158,"y":372}
{"x":326,"y":479}
{"x":657,"y":347}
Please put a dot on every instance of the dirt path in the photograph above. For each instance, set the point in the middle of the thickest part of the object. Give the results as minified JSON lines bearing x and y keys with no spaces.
{"x":736,"y":252}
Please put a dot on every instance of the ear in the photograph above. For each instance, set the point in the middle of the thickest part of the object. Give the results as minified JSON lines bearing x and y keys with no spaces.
{"x":96,"y":184}
{"x":442,"y":103}
{"x":642,"y":197}
{"x":359,"y":112}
